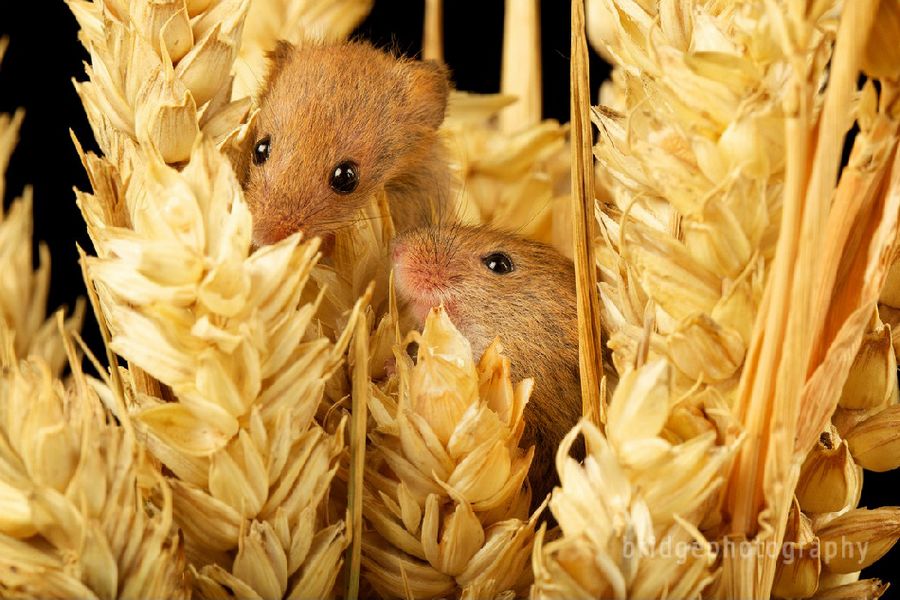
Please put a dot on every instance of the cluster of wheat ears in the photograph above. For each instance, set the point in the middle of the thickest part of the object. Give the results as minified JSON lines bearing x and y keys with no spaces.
{"x":240,"y":438}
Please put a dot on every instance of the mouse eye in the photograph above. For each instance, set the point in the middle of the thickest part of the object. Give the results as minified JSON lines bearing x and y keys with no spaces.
{"x":344,"y":177}
{"x":498,"y":262}
{"x":261,"y":150}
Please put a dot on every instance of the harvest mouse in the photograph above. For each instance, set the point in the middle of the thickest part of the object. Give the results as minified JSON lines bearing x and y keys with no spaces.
{"x":498,"y":284}
{"x":337,"y":122}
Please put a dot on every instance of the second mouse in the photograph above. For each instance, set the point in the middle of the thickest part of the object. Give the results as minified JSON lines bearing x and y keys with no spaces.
{"x":496,"y":284}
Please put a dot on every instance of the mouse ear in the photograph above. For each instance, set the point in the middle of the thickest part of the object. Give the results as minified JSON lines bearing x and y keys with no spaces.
{"x":429,"y":88}
{"x":279,"y":56}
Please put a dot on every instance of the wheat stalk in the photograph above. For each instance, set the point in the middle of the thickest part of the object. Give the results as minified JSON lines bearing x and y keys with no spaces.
{"x":590,"y":344}
{"x":357,"y":453}
{"x":433,"y":31}
{"x":520,"y":74}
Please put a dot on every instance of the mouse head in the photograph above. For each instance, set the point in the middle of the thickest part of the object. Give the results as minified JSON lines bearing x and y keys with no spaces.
{"x":491,"y":283}
{"x":335,"y":123}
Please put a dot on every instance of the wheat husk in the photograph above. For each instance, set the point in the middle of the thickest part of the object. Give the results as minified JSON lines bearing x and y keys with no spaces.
{"x":517,"y":181}
{"x":445,"y":500}
{"x":226,"y":368}
{"x":73,"y":484}
{"x":76,"y":522}
{"x":865,"y":589}
{"x":630,"y":514}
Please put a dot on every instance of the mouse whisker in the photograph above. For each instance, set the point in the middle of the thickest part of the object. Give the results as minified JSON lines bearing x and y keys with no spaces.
{"x":452,"y":235}
{"x":315,"y":212}
{"x":433,"y":246}
{"x":352,"y":220}
{"x":460,"y":202}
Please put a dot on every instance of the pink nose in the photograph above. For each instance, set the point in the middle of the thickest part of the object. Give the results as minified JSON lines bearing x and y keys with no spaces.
{"x":397,"y":251}
{"x":271,"y":233}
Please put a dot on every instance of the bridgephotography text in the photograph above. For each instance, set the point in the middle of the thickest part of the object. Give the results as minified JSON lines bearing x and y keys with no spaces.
{"x":728,"y":548}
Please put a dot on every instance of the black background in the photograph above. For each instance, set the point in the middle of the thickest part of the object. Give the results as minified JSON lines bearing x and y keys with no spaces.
{"x":44,"y":55}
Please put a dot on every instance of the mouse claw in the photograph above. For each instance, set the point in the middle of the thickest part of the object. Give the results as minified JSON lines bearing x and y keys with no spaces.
{"x":390,"y":367}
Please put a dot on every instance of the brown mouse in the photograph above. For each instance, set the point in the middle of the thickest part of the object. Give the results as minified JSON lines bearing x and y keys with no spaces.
{"x":336,"y":123}
{"x":496,"y":284}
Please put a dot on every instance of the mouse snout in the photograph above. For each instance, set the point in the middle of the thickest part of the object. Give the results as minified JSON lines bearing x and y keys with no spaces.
{"x":267,"y":232}
{"x":402,"y":266}
{"x":415,"y":275}
{"x":397,"y":250}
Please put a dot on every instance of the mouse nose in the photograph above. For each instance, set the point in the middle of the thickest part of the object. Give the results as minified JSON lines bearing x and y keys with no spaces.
{"x":265,"y":233}
{"x":397,"y":251}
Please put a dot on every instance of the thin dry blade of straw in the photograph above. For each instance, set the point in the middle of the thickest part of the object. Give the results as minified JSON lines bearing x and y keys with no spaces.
{"x":392,"y":308}
{"x":788,"y":324}
{"x":776,"y":367}
{"x":407,"y":590}
{"x":589,"y":341}
{"x":357,"y":451}
{"x":433,"y":35}
{"x":756,"y":391}
{"x":812,"y":292}
{"x":815,"y":271}
{"x":118,"y":388}
{"x":71,"y":354}
{"x":864,"y":268}
{"x":520,"y":74}
{"x":856,"y":24}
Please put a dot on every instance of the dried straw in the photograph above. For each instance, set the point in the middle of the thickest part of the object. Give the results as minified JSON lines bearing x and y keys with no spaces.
{"x":590,"y":344}
{"x":433,"y":31}
{"x":357,"y":453}
{"x":520,"y":73}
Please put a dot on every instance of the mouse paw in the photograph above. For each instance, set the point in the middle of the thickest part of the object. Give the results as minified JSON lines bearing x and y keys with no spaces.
{"x":390,"y":367}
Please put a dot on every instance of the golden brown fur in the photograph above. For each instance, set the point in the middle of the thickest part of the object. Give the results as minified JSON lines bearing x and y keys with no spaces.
{"x":323,"y":104}
{"x":531,"y":309}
